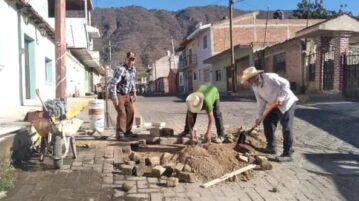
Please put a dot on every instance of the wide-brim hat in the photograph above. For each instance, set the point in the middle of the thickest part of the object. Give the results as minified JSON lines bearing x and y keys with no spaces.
{"x":195,"y":102}
{"x":248,"y":73}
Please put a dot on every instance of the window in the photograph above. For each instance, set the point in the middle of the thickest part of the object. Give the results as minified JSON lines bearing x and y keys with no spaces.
{"x":48,"y":71}
{"x":206,"y":75}
{"x":218,"y":75}
{"x":279,"y":63}
{"x":180,"y":79}
{"x":194,"y":76}
{"x":311,"y":71}
{"x":204,"y":42}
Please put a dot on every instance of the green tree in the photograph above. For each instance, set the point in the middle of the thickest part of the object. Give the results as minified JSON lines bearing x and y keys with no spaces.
{"x":315,"y":10}
{"x":307,"y":9}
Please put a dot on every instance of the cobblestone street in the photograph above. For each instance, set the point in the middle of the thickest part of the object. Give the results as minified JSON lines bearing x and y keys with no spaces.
{"x":326,"y":165}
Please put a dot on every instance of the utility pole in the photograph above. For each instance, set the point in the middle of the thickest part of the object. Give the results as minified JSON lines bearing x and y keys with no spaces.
{"x":173,"y":53}
{"x":106,"y":94}
{"x":234,"y":70}
{"x":60,"y":48}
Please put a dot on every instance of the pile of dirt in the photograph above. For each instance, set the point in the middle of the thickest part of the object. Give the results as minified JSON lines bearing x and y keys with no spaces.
{"x":211,"y":161}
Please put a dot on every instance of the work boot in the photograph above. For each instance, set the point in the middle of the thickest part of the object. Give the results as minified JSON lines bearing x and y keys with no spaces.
{"x":130,"y":134}
{"x":182,"y":134}
{"x":120,"y":136}
{"x":269,"y":150}
{"x":285,"y":157}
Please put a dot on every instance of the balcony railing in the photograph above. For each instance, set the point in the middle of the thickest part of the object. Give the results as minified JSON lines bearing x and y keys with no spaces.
{"x":188,"y":61}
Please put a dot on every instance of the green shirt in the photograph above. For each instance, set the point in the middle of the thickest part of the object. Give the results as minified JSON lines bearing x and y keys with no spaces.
{"x":211,"y":94}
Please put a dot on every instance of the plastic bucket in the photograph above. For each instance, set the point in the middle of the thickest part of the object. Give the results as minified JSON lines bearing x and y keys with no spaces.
{"x":97,"y":114}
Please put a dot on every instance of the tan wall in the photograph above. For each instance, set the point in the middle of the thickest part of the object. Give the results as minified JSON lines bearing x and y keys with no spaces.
{"x":292,"y":50}
{"x":253,"y":30}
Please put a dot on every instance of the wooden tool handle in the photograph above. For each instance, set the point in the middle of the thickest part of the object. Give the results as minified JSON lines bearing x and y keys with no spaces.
{"x":42,"y":102}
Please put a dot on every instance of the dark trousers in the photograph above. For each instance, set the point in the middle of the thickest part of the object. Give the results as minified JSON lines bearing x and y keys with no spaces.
{"x":286,"y":120}
{"x":125,"y":114}
{"x":217,"y":117}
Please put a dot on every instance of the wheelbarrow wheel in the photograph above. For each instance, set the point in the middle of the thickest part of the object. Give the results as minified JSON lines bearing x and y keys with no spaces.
{"x":57,"y":146}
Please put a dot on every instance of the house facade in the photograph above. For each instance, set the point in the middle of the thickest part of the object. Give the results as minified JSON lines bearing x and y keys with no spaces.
{"x":161,"y":74}
{"x":247,"y":30}
{"x":27,"y":54}
{"x":322,"y":58}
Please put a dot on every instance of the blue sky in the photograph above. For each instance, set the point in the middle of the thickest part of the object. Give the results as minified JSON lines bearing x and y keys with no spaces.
{"x":174,"y":5}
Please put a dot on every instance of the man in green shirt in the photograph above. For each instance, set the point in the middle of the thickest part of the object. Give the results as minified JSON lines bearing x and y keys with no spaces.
{"x":205,"y":98}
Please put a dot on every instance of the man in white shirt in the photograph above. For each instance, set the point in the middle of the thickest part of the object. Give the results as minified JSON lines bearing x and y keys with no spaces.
{"x":269,"y":89}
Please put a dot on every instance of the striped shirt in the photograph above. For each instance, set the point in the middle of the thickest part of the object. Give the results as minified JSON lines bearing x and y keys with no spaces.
{"x":123,"y":81}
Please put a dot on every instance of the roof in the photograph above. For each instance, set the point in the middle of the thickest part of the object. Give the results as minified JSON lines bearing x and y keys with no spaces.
{"x":195,"y":33}
{"x":34,"y":17}
{"x":342,"y":23}
{"x":225,"y":52}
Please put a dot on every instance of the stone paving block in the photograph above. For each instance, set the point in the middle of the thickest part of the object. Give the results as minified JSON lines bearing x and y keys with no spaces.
{"x":156,"y":197}
{"x":152,"y":180}
{"x":148,"y":190}
{"x":108,"y":180}
{"x":167,"y":132}
{"x":179,"y":167}
{"x":157,"y":171}
{"x":142,"y":184}
{"x":172,"y":182}
{"x":153,"y":161}
{"x":187,"y":177}
{"x":77,"y":163}
{"x":140,"y":169}
{"x":127,"y":169}
{"x":155,"y":132}
{"x":133,"y":178}
{"x":159,"y":124}
{"x":165,"y":158}
{"x":138,"y":121}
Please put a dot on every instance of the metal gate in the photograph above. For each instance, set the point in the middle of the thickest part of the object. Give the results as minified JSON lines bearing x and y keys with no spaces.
{"x":328,"y":71}
{"x":351,"y":76}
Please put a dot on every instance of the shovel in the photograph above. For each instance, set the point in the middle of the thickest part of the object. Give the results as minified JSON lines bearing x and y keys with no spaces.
{"x":243,"y":134}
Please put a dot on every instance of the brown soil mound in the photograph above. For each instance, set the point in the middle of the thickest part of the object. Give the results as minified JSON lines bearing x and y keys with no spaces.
{"x":212,"y":161}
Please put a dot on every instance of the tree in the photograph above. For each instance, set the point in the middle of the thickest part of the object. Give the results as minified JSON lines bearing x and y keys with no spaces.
{"x":307,"y":9}
{"x":315,"y":10}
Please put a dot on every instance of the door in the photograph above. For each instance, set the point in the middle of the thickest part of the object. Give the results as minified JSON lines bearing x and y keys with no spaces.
{"x":328,"y":71}
{"x":229,"y":79}
{"x":30,"y":73}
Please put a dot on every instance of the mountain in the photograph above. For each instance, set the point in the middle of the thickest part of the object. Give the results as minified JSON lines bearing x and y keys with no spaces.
{"x":149,"y":32}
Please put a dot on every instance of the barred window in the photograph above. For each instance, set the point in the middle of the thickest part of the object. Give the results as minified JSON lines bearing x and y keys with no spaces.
{"x":311,"y":71}
{"x":279,"y":63}
{"x":218,"y":75}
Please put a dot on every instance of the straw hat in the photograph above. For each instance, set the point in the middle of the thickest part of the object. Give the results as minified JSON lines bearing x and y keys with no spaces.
{"x":248,"y":73}
{"x":195,"y":102}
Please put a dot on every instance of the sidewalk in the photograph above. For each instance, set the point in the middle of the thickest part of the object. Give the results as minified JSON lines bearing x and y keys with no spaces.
{"x":12,"y":119}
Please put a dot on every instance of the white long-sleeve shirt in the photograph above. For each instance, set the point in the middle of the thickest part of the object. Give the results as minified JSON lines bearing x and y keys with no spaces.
{"x":270,"y":87}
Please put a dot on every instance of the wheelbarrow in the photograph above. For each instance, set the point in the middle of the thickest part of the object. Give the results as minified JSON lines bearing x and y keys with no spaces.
{"x":56,"y":133}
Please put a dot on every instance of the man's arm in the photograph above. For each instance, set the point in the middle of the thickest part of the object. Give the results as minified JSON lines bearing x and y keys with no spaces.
{"x":112,"y":85}
{"x":283,"y":84}
{"x":209,"y":127}
{"x":190,"y":124}
{"x":133,"y":85}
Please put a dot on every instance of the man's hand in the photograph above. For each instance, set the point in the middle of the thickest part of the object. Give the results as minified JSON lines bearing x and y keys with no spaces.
{"x":257,"y":122}
{"x":207,"y":136}
{"x":115,"y":102}
{"x":134,"y":97}
{"x":193,"y":135}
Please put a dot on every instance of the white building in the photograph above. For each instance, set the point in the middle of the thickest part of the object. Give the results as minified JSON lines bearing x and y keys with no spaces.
{"x":27,"y":52}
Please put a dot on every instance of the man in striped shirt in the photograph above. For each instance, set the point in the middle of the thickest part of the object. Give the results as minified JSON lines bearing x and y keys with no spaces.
{"x":122,"y":91}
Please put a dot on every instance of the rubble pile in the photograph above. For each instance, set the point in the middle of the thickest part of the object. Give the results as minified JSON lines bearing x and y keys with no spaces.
{"x":166,"y":156}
